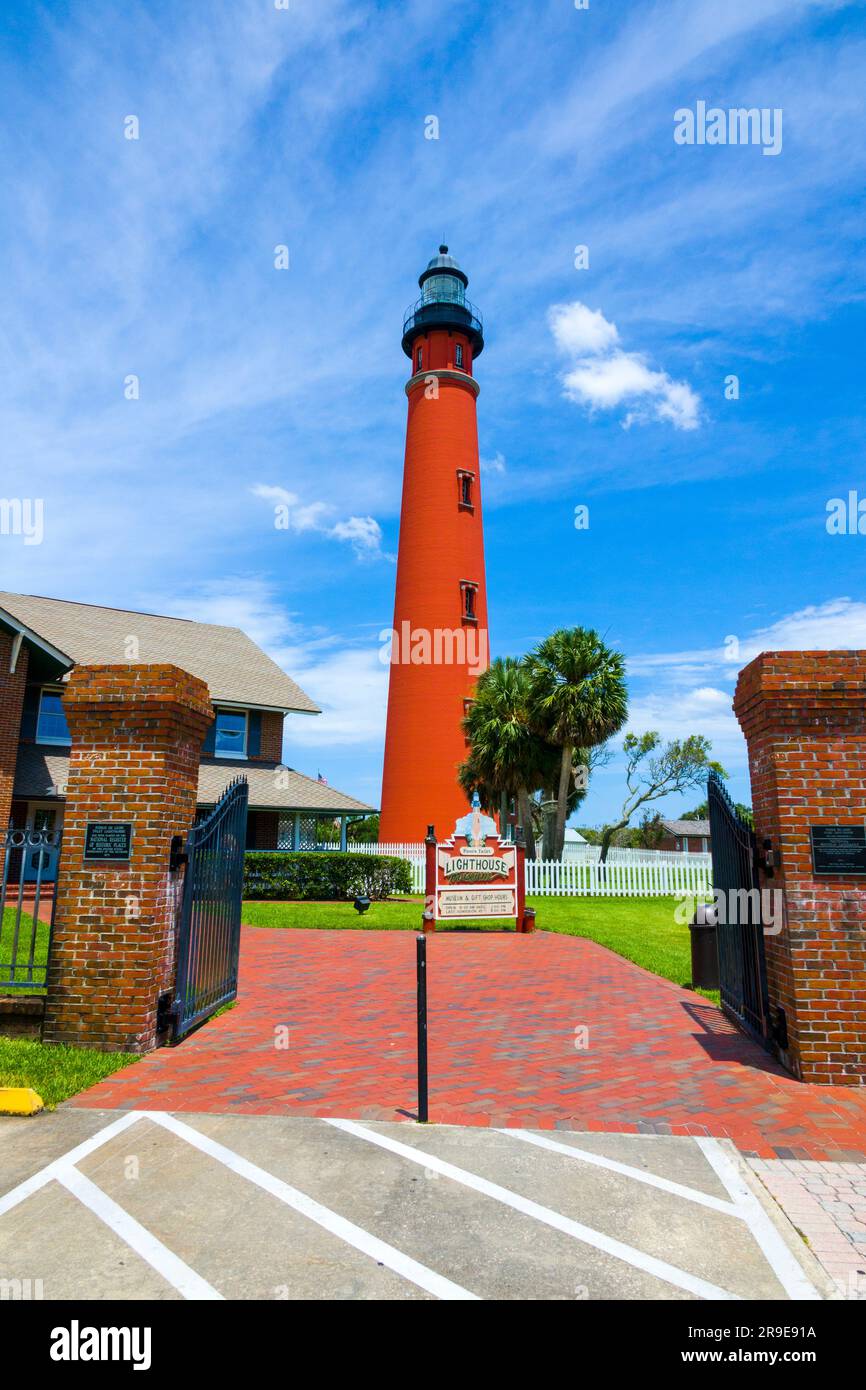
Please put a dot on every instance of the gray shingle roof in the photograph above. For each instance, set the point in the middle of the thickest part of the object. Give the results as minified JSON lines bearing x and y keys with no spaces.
{"x":41,"y":774}
{"x":272,"y":785}
{"x":233,"y":666}
{"x":687,"y":827}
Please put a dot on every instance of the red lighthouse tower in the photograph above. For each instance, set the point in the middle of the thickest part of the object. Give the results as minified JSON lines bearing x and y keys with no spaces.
{"x":440,"y":643}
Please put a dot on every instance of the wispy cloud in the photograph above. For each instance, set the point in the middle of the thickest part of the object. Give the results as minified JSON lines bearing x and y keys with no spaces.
{"x":603,"y":377}
{"x":363,"y":533}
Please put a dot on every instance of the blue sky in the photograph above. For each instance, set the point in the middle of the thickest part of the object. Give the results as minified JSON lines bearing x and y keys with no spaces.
{"x":305,"y":127}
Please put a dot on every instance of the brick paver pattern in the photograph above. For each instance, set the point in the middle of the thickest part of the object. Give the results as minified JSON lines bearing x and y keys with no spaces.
{"x":507,"y":1015}
{"x":827,"y":1204}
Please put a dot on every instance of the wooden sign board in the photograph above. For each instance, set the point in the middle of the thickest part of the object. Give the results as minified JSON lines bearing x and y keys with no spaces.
{"x":476,"y":874}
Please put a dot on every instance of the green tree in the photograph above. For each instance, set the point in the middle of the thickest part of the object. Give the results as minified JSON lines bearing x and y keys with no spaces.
{"x":364,"y":830}
{"x":654,"y":769}
{"x":507,"y":758}
{"x":577,"y":699}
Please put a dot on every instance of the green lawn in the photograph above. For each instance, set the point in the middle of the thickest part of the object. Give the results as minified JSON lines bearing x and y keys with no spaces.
{"x":55,"y":1073}
{"x":643,"y":930}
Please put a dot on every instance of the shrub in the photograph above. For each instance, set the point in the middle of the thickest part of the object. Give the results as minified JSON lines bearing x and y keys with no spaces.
{"x":321,"y":876}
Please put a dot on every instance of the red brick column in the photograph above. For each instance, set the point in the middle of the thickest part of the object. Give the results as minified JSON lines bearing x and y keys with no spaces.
{"x":804,"y":717}
{"x":136,"y":740}
{"x":11,"y":701}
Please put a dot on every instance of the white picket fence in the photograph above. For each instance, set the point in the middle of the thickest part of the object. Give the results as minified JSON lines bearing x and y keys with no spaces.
{"x":627,"y":874}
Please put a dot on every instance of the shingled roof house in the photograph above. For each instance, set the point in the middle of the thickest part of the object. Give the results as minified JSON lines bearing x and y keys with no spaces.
{"x":687,"y":836}
{"x":41,"y":639}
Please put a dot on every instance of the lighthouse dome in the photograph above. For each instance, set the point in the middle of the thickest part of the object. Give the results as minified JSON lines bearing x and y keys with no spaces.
{"x":443,"y":304}
{"x":443,"y":279}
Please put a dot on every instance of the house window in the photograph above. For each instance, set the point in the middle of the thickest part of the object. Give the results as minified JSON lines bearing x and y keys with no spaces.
{"x":51,"y":725}
{"x":230,"y":739}
{"x":470,"y":604}
{"x":465,"y":483}
{"x":458,"y":355}
{"x":419,"y":359}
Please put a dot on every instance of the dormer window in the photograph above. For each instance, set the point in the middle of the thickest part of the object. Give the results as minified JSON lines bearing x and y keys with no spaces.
{"x":465,"y":485}
{"x":51,"y":725}
{"x":469,"y":594}
{"x":230,"y":739}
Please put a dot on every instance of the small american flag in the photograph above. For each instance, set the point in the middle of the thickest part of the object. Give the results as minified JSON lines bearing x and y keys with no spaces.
{"x":323,"y":780}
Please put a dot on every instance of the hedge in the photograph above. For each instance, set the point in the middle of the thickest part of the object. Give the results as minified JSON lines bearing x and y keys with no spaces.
{"x":322,"y":876}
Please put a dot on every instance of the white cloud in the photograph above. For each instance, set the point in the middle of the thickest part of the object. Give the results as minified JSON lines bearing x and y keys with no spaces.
{"x":682,"y":697}
{"x":345,"y":678}
{"x":604,"y":376}
{"x":579,"y":330}
{"x":494,"y":465}
{"x":363,"y":533}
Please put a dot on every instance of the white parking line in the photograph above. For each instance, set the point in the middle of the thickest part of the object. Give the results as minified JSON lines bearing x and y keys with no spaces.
{"x":137,"y":1237}
{"x":781,"y":1260}
{"x":689,"y":1194}
{"x":679,"y":1278}
{"x":338,"y":1226}
{"x":47,"y":1174}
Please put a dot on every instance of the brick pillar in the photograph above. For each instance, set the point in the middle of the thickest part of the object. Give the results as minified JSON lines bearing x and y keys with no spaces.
{"x":136,"y":732}
{"x":804,"y":717}
{"x":11,"y":701}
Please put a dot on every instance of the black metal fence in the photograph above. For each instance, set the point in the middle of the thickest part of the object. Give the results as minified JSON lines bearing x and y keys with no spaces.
{"x":210,"y":918}
{"x":27,"y":907}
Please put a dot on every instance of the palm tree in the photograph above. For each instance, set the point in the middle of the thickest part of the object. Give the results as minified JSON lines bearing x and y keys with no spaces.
{"x":576,"y":699}
{"x":507,"y":759}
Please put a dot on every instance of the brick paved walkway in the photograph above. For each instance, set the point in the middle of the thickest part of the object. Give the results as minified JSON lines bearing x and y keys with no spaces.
{"x":826,"y":1202}
{"x":504,"y":1011}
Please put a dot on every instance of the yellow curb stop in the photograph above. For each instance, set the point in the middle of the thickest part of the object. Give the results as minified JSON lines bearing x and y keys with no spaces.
{"x":19,"y":1100}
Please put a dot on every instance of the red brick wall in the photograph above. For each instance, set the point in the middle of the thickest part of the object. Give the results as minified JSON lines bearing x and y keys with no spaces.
{"x":11,"y":700}
{"x":804,"y":717}
{"x":263,"y":829}
{"x":136,"y":732}
{"x":694,"y":844}
{"x":272,"y":738}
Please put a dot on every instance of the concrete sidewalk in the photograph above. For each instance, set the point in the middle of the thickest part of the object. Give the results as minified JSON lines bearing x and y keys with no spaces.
{"x":130,"y":1205}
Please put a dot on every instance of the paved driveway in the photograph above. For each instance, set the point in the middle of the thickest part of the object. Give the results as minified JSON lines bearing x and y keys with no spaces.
{"x":109,"y":1205}
{"x":540,"y":1031}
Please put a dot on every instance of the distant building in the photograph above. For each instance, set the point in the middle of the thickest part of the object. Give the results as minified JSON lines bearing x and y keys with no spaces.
{"x":687,"y":836}
{"x":573,"y":842}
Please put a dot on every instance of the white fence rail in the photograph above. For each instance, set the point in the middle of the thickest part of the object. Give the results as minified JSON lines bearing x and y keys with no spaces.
{"x":618,"y":878}
{"x":627,"y":873}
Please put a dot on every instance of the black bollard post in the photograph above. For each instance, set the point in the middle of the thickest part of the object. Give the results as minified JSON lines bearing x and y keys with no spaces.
{"x":421,"y":962}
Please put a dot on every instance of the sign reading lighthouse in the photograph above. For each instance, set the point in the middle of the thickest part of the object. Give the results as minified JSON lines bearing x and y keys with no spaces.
{"x":439,"y":643}
{"x":476,"y":874}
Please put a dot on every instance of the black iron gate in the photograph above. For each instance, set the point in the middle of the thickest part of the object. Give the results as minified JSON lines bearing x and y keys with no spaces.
{"x":26,"y":906}
{"x":742,"y":968}
{"x":209,"y":933}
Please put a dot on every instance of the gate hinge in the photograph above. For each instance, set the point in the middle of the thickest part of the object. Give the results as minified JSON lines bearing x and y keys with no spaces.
{"x":177,"y":854}
{"x":766,"y":861}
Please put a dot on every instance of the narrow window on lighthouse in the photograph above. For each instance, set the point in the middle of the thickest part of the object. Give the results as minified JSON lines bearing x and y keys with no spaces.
{"x":458,"y":354}
{"x":470,"y":611}
{"x":465,"y":482}
{"x":419,"y":359}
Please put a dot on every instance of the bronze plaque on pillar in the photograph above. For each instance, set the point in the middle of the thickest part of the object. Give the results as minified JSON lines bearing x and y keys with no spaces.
{"x":839,"y":849}
{"x":107,"y":840}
